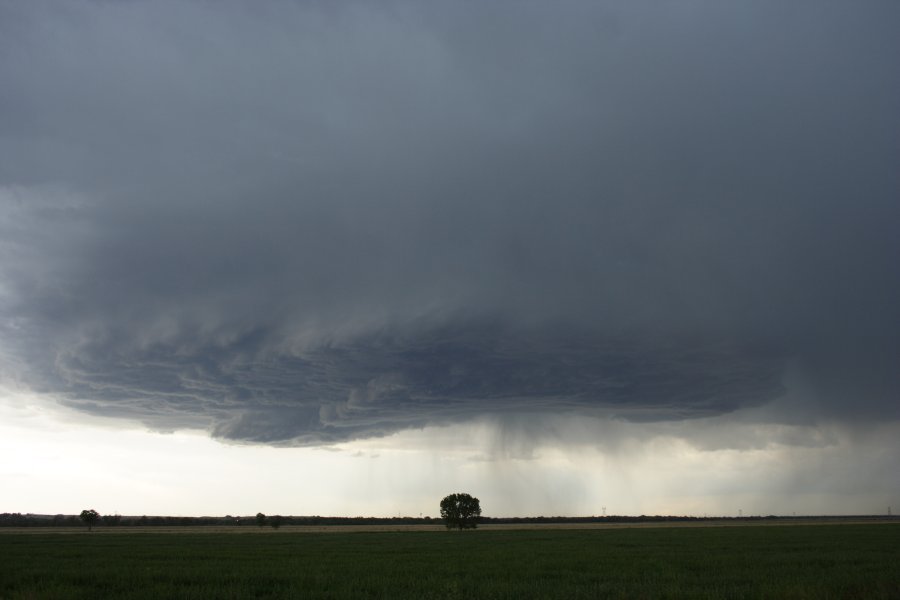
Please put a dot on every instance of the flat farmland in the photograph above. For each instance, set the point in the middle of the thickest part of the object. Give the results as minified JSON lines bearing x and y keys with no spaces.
{"x":748,"y":561}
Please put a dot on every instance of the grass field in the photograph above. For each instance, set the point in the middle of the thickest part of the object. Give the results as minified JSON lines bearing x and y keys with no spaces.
{"x":820,"y":561}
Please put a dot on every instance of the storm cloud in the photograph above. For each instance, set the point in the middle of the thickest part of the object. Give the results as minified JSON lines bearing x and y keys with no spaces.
{"x":306,"y":223}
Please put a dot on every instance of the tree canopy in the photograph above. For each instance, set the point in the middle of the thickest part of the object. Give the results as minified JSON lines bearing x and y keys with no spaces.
{"x":461,"y":511}
{"x":89,"y":516}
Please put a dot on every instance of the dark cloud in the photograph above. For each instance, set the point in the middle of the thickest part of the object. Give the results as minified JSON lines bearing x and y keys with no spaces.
{"x":310,"y":223}
{"x":379,"y":383}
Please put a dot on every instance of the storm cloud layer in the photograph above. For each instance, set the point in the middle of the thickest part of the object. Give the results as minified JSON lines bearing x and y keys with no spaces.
{"x":305,"y":222}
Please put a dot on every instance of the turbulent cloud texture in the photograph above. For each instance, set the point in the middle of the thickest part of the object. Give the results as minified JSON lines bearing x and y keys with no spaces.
{"x":304,"y":222}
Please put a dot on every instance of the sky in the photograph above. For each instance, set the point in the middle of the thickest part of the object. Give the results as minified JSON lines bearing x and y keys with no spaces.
{"x":307,"y":257}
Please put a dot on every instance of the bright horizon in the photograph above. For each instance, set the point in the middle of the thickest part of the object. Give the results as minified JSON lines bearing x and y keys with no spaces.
{"x":100,"y":464}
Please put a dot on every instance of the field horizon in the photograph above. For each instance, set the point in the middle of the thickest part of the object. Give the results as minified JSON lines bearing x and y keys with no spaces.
{"x":401,"y":524}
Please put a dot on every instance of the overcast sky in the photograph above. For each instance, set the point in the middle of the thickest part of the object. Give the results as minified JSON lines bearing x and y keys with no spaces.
{"x":601,"y":250}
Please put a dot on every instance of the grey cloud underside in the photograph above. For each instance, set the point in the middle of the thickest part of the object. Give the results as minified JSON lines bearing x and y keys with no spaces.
{"x":382,"y":383}
{"x":300,"y":223}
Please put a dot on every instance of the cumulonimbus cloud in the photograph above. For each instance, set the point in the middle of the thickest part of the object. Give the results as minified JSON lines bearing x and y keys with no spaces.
{"x":301,"y":224}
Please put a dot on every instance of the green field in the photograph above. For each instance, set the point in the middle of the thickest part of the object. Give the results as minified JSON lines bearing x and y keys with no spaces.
{"x":818,"y":561}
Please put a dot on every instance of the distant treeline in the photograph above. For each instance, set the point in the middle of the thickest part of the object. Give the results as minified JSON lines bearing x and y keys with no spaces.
{"x":33,"y":520}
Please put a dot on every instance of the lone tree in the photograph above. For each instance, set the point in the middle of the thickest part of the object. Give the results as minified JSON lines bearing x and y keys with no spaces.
{"x":461,"y":511}
{"x":89,"y":517}
{"x":260,"y":519}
